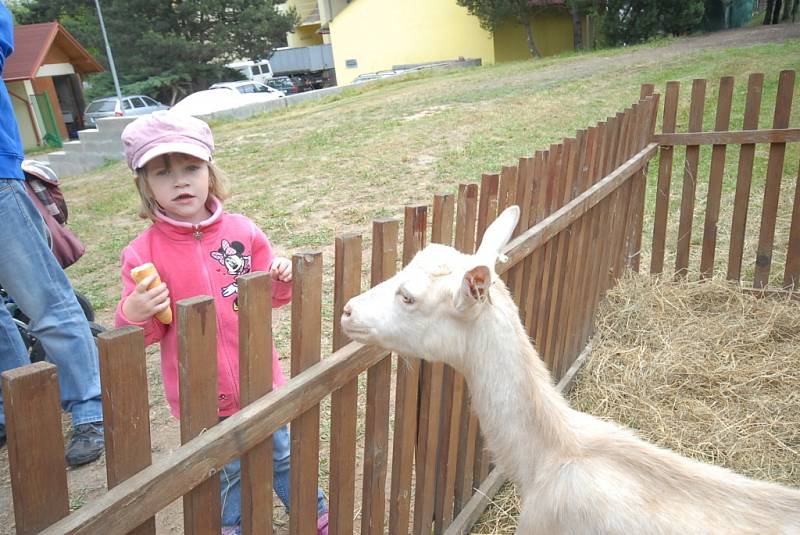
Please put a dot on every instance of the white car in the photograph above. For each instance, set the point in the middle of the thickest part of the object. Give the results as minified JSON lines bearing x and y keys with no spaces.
{"x":248,"y":87}
{"x":221,"y":99}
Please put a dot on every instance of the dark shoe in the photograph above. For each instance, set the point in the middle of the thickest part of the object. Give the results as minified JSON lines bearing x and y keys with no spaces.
{"x":2,"y":435}
{"x":86,"y":445}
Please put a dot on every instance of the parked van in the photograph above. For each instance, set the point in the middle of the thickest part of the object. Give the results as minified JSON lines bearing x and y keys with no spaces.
{"x":258,"y":71}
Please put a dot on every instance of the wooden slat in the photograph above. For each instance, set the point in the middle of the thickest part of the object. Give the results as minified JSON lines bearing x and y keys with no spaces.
{"x":772,"y":187}
{"x":506,"y":197}
{"x":376,"y":440}
{"x":714,"y":195}
{"x":744,"y":176}
{"x":622,"y":201}
{"x":635,"y":252}
{"x":664,"y":179}
{"x":524,"y":200}
{"x":405,"y":429}
{"x":629,"y":253}
{"x":431,"y":395}
{"x":197,"y":357}
{"x":791,"y":274}
{"x":443,"y":497}
{"x":487,"y":208}
{"x":126,"y":408}
{"x":255,"y":381}
{"x":736,"y":137}
{"x":160,"y":484}
{"x":533,"y":262}
{"x":548,"y":252}
{"x":306,"y":345}
{"x":35,"y":446}
{"x":690,"y":180}
{"x":458,"y":484}
{"x":610,"y":209}
{"x":344,"y":401}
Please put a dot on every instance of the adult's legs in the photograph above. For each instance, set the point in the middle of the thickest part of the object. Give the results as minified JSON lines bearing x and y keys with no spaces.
{"x":33,"y":278}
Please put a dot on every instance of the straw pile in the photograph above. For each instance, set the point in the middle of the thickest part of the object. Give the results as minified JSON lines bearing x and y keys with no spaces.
{"x":698,"y":367}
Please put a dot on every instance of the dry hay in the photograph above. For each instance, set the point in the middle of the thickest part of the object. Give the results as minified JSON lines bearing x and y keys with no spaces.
{"x":698,"y":367}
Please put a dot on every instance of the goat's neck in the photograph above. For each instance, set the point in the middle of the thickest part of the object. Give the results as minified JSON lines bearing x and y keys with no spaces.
{"x":523,"y":418}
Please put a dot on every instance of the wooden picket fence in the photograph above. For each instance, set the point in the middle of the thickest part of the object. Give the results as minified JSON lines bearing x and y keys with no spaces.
{"x":745,"y":189}
{"x":582,"y":206}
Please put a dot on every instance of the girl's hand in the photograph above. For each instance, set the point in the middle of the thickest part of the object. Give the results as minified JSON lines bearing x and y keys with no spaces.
{"x":142,"y":304}
{"x":281,"y":269}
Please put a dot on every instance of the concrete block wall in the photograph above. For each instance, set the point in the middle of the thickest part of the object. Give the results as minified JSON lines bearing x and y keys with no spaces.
{"x":94,"y":148}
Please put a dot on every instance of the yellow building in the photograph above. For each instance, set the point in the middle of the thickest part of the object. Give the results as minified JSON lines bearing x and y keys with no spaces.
{"x":375,"y":35}
{"x":315,"y":18}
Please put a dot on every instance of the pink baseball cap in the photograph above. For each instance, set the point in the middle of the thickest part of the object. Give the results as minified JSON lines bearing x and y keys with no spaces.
{"x":163,"y":132}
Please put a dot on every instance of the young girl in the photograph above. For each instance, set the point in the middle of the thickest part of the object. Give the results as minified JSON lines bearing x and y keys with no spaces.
{"x":198,"y":249}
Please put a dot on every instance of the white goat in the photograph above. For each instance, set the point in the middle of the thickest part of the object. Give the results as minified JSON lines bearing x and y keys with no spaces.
{"x":576,"y":474}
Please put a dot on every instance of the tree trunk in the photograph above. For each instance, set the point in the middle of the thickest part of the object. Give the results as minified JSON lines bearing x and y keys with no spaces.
{"x":531,"y":45}
{"x":776,"y":13}
{"x":577,"y":30}
{"x":787,"y":11}
{"x":795,"y":10}
{"x":768,"y":14}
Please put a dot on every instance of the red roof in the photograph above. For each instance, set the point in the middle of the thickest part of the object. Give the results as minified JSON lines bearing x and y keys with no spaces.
{"x":31,"y":44}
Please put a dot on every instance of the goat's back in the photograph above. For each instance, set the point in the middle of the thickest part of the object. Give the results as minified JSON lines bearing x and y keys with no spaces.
{"x":620,"y":484}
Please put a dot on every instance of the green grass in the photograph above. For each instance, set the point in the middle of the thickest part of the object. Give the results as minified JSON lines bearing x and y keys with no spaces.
{"x":313,"y":171}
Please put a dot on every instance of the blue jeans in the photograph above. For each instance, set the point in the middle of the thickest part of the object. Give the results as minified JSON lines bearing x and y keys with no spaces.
{"x":33,"y":278}
{"x":231,"y":476}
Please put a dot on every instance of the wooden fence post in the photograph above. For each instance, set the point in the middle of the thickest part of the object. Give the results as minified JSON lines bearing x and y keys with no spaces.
{"x":126,"y":408}
{"x":430,"y":396}
{"x":744,"y":177}
{"x":197,"y":353}
{"x":306,"y":346}
{"x":35,"y":446}
{"x":255,"y":381}
{"x":379,"y":377}
{"x":772,"y":186}
{"x":406,"y":394}
{"x":344,"y":402}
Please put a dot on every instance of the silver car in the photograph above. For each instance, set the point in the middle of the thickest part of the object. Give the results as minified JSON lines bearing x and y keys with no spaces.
{"x":110,"y":107}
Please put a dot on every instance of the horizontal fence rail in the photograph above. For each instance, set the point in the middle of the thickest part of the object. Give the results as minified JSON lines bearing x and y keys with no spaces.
{"x":582,"y":205}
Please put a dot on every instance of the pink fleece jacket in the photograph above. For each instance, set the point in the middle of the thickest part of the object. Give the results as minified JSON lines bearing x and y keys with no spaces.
{"x":203,"y":259}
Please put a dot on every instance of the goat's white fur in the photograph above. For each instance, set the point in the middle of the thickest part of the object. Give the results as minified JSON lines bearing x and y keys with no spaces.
{"x":575,"y":474}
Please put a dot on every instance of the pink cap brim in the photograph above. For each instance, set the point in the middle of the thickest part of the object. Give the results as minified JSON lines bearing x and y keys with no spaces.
{"x":165,"y":148}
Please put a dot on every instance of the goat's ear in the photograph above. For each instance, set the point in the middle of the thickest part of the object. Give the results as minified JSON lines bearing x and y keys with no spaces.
{"x":475,"y":285}
{"x":498,"y":234}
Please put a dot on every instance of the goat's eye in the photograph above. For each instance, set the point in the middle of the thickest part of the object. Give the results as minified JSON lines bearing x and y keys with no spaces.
{"x":405,"y":296}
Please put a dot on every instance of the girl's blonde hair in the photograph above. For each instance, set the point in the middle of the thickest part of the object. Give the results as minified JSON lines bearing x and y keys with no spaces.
{"x":217,"y":186}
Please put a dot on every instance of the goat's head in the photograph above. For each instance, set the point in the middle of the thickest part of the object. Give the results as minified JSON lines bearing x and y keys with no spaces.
{"x":429,"y":309}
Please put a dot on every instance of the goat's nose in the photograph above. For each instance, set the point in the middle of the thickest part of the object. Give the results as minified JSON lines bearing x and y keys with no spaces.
{"x":347,"y":310}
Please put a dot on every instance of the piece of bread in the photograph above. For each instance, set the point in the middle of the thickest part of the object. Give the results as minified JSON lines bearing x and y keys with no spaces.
{"x":145,"y":270}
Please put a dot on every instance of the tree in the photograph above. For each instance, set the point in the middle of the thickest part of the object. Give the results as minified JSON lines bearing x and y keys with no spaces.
{"x":492,"y":14}
{"x":629,"y":21}
{"x":680,"y":18}
{"x":165,"y":49}
{"x":773,"y":12}
{"x":635,"y":21}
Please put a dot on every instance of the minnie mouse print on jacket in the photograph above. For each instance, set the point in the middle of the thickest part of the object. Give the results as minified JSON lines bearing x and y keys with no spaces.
{"x":203,"y":259}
